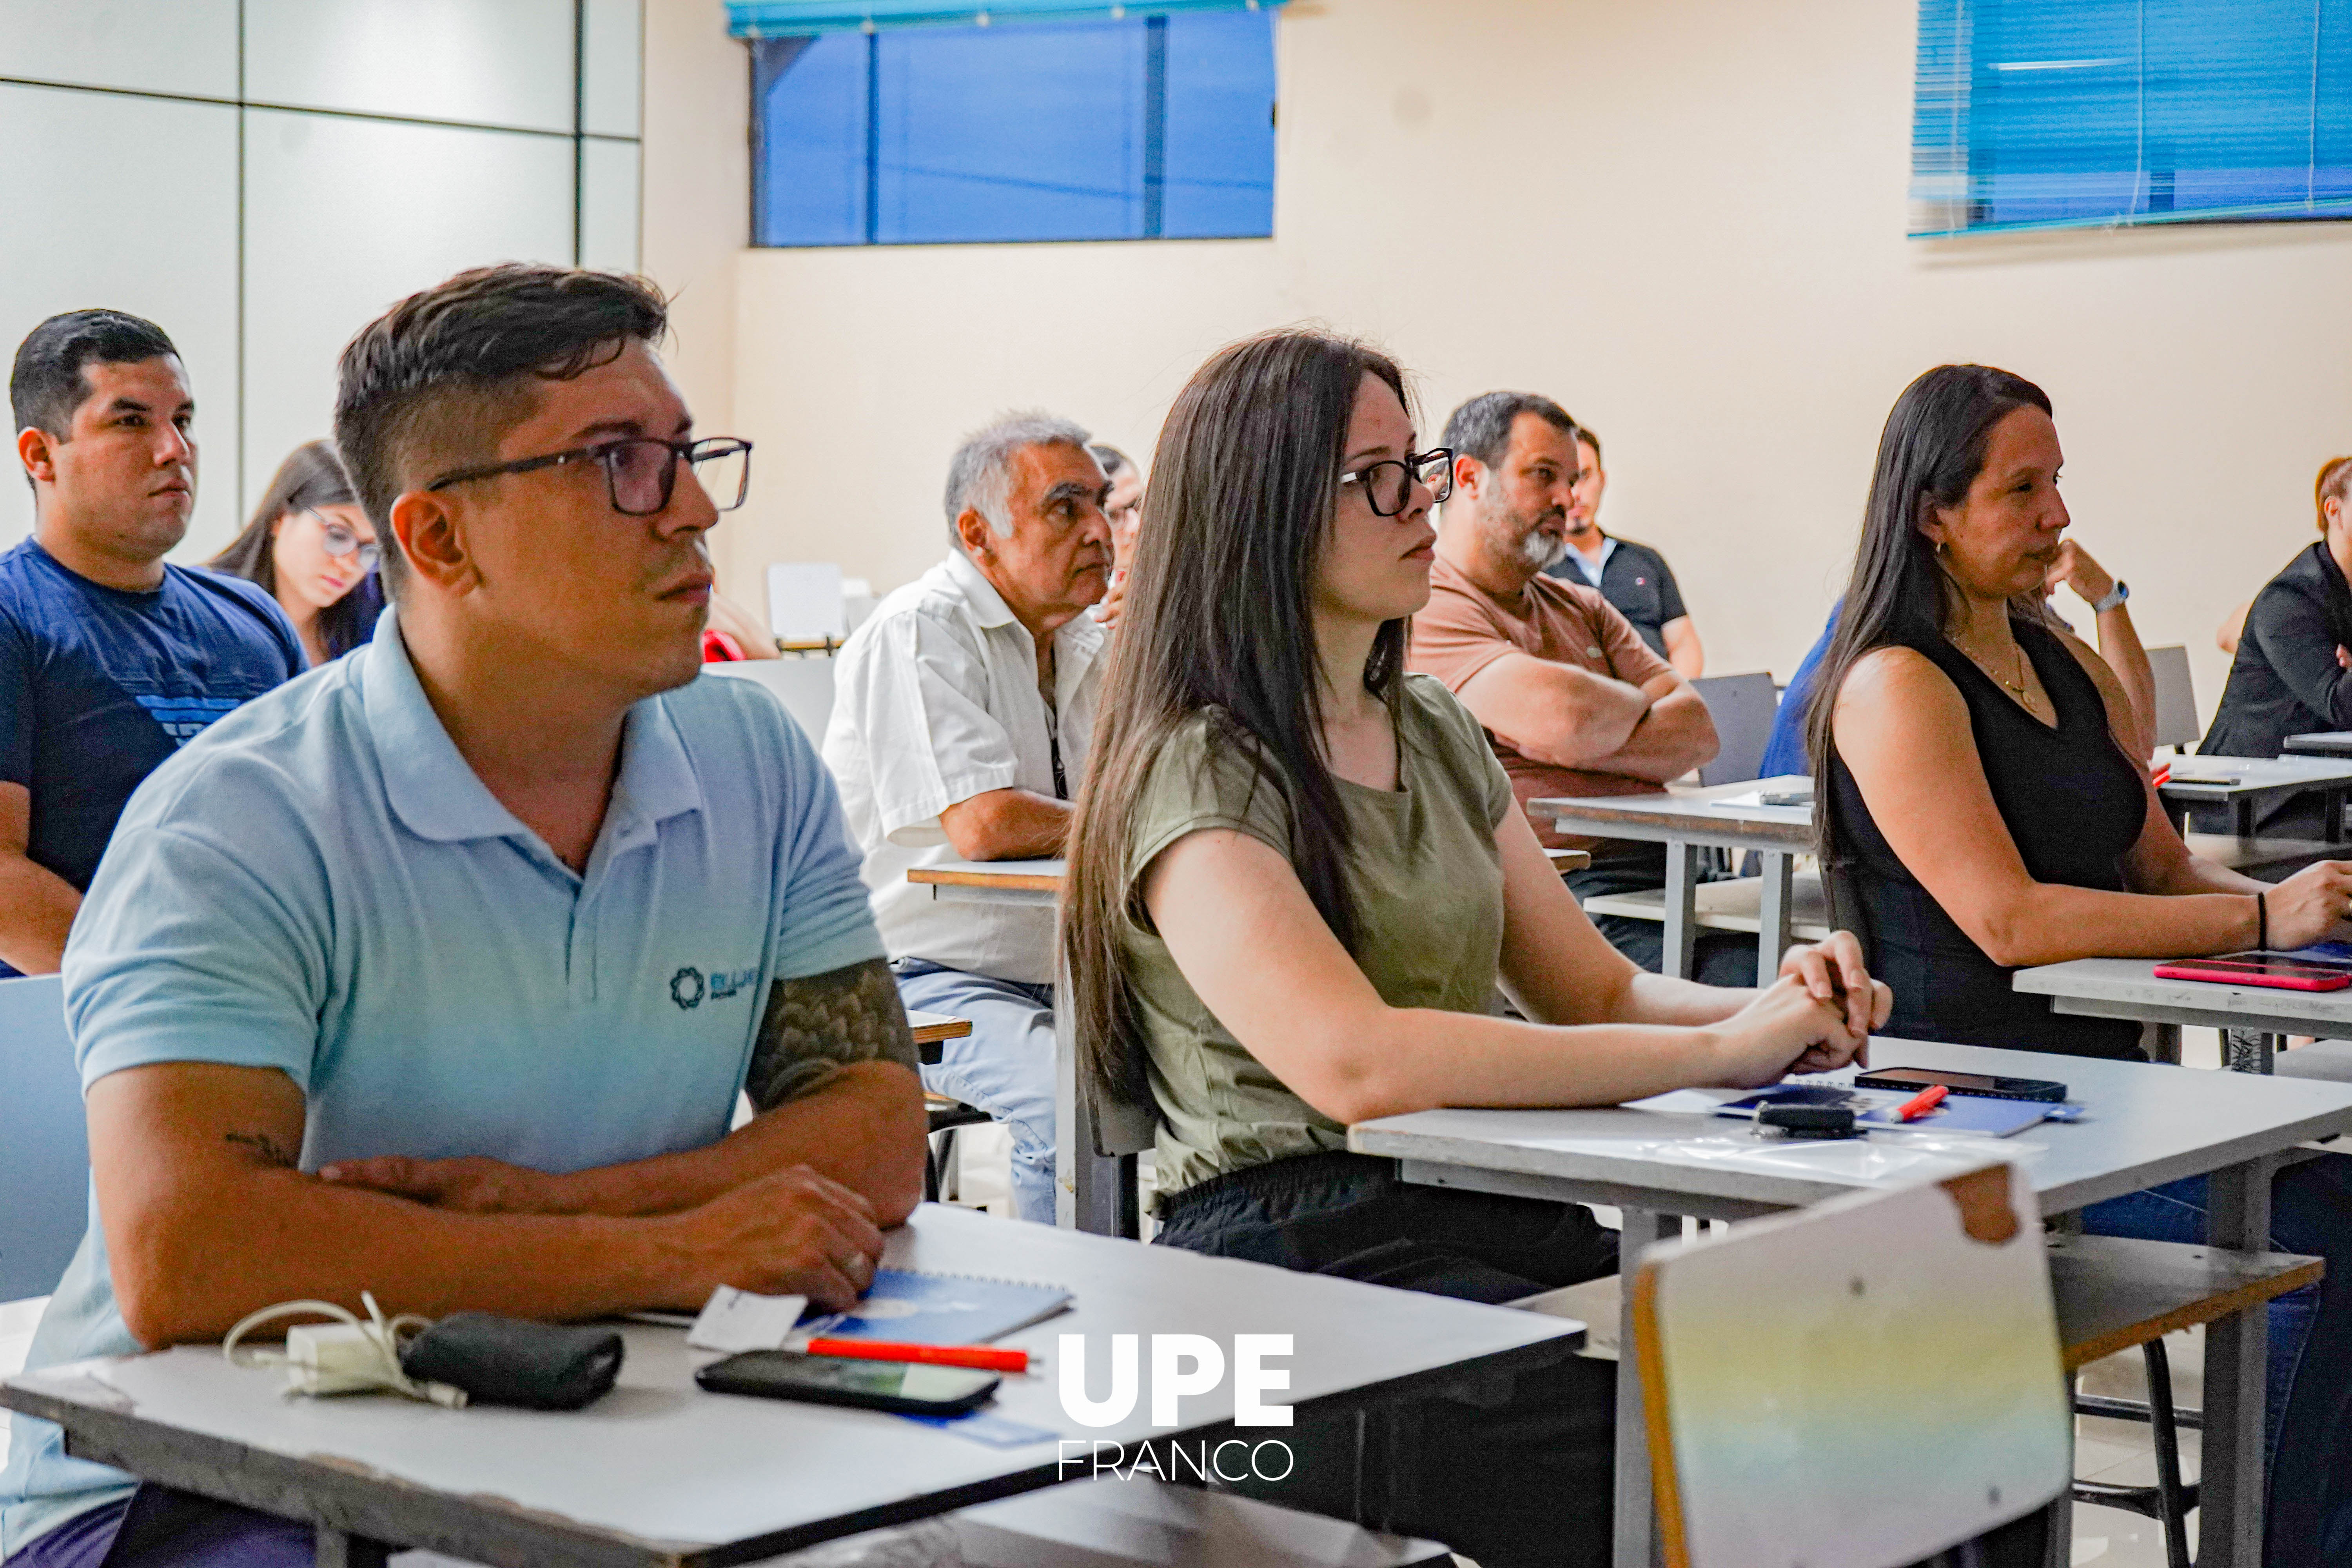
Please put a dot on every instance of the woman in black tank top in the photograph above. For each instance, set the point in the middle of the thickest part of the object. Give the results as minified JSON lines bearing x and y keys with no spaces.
{"x":2074,"y":805}
{"x":1979,"y":813}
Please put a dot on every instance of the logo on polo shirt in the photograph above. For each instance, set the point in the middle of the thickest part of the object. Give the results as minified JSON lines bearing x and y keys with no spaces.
{"x":688,"y":987}
{"x":185,"y":718}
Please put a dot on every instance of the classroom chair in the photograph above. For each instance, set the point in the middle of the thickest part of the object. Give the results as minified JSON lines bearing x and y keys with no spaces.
{"x":1793,"y":1357}
{"x":45,"y":1153}
{"x":1743,"y":708}
{"x":2176,"y":697}
{"x":804,"y":686}
{"x":940,"y":1168}
{"x":1099,"y":1164}
{"x":806,"y":607}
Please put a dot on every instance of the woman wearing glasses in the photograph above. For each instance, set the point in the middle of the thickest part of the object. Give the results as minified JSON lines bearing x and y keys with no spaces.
{"x":1296,"y":879}
{"x":311,"y":545}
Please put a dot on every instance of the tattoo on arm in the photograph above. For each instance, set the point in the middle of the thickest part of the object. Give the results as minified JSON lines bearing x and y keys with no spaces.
{"x":265,"y":1148}
{"x":818,"y":1024}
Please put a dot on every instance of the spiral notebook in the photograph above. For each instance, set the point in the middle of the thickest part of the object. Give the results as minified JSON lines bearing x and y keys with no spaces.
{"x":920,"y":1308}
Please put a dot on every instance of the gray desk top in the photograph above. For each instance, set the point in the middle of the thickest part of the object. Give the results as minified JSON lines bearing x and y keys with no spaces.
{"x":2322,"y":743}
{"x":2255,"y":775}
{"x":1700,"y":815}
{"x":2148,"y":1124}
{"x":2128,"y":988}
{"x":659,"y":1471}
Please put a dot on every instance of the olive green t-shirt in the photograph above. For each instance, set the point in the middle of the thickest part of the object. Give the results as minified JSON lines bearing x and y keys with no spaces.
{"x":1427,"y":885}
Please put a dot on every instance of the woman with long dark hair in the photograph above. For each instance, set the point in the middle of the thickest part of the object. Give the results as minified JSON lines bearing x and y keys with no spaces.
{"x":1296,"y":879}
{"x":1981,"y":808}
{"x":309,"y":544}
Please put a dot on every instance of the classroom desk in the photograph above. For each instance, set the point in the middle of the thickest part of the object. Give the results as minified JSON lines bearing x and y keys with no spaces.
{"x":992,"y":881}
{"x":2127,"y":988}
{"x":2149,"y":1124}
{"x":659,"y":1474}
{"x":2321,"y":743}
{"x":931,"y":1030}
{"x":2260,"y":780}
{"x":1686,"y":820}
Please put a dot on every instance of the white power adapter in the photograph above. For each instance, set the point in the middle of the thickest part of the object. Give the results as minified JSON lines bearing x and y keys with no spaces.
{"x":333,"y":1358}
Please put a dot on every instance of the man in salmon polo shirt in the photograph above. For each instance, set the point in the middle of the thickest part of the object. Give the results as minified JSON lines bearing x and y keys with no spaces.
{"x":1574,"y":702}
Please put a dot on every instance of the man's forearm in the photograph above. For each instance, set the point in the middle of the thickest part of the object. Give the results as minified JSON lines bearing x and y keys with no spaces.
{"x":1673,"y":737}
{"x":865,"y":1128}
{"x":37,"y":913}
{"x":299,"y":1237}
{"x":1007,"y":824}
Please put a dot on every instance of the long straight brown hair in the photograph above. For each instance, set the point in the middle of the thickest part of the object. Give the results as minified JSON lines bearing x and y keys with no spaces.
{"x":1217,"y":620}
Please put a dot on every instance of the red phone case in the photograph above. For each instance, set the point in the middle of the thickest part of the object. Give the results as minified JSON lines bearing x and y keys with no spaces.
{"x":2248,"y":975}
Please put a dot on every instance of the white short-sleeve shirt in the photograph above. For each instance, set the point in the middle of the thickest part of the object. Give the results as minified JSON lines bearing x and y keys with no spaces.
{"x":936,"y":700}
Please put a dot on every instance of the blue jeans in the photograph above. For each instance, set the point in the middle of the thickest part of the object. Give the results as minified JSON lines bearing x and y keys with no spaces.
{"x":2308,"y":1440}
{"x":1005,"y":1067}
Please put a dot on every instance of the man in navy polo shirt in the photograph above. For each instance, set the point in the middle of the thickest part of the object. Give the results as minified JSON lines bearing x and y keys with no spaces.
{"x":436,"y":973}
{"x":1634,"y":577}
{"x":109,"y":658}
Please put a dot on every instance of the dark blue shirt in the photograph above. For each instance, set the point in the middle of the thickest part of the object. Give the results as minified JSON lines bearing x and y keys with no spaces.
{"x":97,"y":685}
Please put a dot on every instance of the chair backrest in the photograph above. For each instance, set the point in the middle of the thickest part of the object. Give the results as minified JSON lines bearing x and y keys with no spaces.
{"x":804,"y":686}
{"x":44,"y":1147}
{"x":805,"y":602}
{"x":1890,"y":1359}
{"x":2176,"y":697}
{"x":1743,"y":707}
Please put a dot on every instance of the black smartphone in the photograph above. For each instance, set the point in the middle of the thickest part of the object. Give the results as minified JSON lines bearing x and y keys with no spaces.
{"x":899,"y":1385}
{"x":1986,"y":1084}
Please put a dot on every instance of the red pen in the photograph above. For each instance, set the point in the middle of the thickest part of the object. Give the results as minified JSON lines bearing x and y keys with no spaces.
{"x":986,"y":1358}
{"x":1919,"y":1104}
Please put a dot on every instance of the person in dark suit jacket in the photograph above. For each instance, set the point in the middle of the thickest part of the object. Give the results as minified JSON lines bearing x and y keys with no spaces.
{"x":2293,"y":672}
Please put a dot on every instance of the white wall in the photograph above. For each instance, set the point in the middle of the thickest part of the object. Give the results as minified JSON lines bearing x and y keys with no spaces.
{"x":1685,"y":219}
{"x":262,"y":254}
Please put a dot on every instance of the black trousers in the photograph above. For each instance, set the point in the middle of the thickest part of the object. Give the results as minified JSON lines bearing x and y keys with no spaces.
{"x":1523,"y":1479}
{"x":1718,"y":958}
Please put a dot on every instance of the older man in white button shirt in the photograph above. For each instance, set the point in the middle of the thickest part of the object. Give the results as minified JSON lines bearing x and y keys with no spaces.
{"x":961,"y":711}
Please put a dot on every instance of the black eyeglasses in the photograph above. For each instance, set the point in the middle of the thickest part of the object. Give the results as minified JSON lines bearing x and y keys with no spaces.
{"x":339,"y":540}
{"x":1387,"y":484}
{"x":639,"y":472}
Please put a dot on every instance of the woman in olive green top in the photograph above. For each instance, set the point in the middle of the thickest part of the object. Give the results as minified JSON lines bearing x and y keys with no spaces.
{"x":1296,"y":882}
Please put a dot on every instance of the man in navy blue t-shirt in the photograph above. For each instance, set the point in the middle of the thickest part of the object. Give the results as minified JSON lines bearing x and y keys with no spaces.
{"x":109,"y":658}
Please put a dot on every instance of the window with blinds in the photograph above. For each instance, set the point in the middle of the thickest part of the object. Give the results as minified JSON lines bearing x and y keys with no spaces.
{"x":2055,"y":113}
{"x":1145,"y":127}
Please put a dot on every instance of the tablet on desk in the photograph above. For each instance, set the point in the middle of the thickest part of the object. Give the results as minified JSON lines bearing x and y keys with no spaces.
{"x":2260,"y":969}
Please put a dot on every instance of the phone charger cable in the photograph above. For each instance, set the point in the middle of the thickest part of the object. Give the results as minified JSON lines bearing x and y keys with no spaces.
{"x":345,"y":1356}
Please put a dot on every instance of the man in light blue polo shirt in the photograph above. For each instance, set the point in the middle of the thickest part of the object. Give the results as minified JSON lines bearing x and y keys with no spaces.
{"x":436,"y":973}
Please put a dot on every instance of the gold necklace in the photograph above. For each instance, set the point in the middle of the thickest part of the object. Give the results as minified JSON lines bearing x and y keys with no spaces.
{"x":2017,"y":687}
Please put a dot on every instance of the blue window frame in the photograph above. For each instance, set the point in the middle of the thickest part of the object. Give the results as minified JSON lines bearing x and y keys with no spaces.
{"x":2055,"y":113}
{"x":1149,"y":127}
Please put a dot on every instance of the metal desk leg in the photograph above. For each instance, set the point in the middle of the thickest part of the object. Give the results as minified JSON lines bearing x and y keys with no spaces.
{"x":2249,"y":1050}
{"x":2245,"y":814}
{"x":2334,"y":809}
{"x":2237,"y":1348}
{"x":340,"y":1548}
{"x":1637,"y":1532}
{"x":1681,"y":910}
{"x":1772,"y":913}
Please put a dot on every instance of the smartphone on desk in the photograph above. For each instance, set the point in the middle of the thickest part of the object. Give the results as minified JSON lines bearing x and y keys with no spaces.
{"x":899,"y":1385}
{"x":1989,"y":1085}
{"x":2258,"y":969}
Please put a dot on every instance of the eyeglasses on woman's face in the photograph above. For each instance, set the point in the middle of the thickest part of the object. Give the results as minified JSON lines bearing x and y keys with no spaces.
{"x":640,"y":472}
{"x":341,"y":539}
{"x":1387,"y":484}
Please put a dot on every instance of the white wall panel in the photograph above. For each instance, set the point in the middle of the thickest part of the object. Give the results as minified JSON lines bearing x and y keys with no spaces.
{"x":90,"y":223}
{"x":611,"y":62}
{"x":146,"y":45}
{"x":494,"y":62}
{"x":344,"y":216}
{"x":608,"y":205}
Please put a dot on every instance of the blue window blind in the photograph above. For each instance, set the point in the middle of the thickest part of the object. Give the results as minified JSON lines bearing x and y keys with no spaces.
{"x":2055,"y":113}
{"x":1148,"y":127}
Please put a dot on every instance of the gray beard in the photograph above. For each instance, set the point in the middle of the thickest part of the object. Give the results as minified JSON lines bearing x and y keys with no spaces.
{"x":1542,"y":551}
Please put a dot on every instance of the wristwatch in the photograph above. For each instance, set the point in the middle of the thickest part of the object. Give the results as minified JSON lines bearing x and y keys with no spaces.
{"x":2122,"y":592}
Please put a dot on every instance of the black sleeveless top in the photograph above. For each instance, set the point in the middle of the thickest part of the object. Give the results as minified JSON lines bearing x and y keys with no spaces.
{"x":2074,"y":804}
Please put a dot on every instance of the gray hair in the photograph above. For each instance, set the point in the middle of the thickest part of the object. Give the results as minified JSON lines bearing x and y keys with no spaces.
{"x":980,"y":475}
{"x":1481,"y":428}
